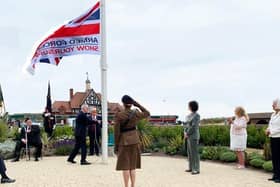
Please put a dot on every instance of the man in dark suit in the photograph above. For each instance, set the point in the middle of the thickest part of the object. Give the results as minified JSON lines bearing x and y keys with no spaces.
{"x":5,"y":178}
{"x":82,"y":121}
{"x":32,"y":132}
{"x":94,"y":132}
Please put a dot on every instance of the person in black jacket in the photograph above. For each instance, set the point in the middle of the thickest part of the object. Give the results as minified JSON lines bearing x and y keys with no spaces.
{"x":49,"y":122}
{"x":33,"y":139}
{"x":82,"y":121}
{"x":94,"y":133}
{"x":5,"y":178}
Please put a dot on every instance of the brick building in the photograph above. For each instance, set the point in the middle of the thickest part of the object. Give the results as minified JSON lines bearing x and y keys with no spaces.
{"x":68,"y":109}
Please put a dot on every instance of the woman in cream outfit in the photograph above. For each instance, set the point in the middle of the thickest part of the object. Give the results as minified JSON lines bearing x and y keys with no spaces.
{"x":238,"y":135}
{"x":273,"y":131}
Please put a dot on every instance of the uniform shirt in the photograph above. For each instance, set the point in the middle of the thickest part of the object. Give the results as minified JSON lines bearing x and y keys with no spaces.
{"x":238,"y":126}
{"x":274,"y":125}
{"x":121,"y":118}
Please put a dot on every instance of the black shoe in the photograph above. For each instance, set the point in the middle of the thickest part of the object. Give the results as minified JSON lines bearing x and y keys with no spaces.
{"x":90,"y":154}
{"x":71,"y":161}
{"x":15,"y":160}
{"x":36,"y":159}
{"x":188,"y":170}
{"x":277,"y":180}
{"x":85,"y":163}
{"x":7,"y":180}
{"x":271,"y":179}
{"x":195,"y":172}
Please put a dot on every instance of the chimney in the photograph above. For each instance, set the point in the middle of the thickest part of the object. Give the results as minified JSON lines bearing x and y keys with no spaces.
{"x":71,"y":93}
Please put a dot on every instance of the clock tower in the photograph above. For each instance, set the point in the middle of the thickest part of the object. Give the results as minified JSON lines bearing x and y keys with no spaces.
{"x":87,"y":83}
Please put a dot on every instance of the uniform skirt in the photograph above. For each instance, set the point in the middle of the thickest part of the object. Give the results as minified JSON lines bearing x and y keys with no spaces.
{"x":238,"y":142}
{"x":129,"y":157}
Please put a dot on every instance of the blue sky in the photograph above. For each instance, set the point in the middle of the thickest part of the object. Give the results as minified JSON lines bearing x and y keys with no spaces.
{"x":164,"y":53}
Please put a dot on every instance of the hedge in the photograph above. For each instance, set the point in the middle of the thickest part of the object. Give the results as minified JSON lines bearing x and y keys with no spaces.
{"x":63,"y":131}
{"x":228,"y":157}
{"x":210,"y":135}
{"x":257,"y":163}
{"x":267,"y":166}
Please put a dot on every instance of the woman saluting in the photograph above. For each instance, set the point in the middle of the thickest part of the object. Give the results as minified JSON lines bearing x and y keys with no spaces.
{"x":127,"y":142}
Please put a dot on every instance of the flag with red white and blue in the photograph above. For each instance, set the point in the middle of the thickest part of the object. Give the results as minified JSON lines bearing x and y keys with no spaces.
{"x":79,"y":36}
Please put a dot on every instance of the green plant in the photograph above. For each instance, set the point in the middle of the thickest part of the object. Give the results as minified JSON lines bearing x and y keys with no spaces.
{"x":110,"y":129}
{"x":63,"y":146}
{"x":214,"y":135}
{"x":160,"y":143}
{"x":255,"y":155}
{"x":44,"y":138}
{"x":13,"y":133}
{"x":228,"y":156}
{"x":256,"y":136}
{"x":267,"y":166}
{"x":267,"y":151}
{"x":144,"y":134}
{"x":63,"y":131}
{"x":257,"y":163}
{"x":63,"y":150}
{"x":175,"y":145}
{"x":210,"y":153}
{"x":3,"y":131}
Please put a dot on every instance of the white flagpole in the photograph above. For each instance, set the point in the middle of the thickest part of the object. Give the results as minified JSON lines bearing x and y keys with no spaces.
{"x":103,"y":64}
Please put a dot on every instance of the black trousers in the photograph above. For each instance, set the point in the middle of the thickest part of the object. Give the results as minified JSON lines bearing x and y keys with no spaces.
{"x":49,"y":131}
{"x":275,"y":152}
{"x":2,"y":167}
{"x":94,"y":142}
{"x":20,"y":145}
{"x":79,"y":144}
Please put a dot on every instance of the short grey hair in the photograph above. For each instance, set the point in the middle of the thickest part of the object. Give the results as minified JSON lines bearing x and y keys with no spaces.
{"x":84,"y":106}
{"x":277,"y":103}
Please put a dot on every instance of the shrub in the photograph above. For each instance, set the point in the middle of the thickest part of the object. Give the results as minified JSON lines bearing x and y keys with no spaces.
{"x":63,"y":150}
{"x":160,"y":143}
{"x":144,"y":134}
{"x":170,"y":150}
{"x":228,"y":156}
{"x":110,"y":129}
{"x":214,"y":135}
{"x":256,"y":136}
{"x":3,"y":131}
{"x":13,"y":133}
{"x":257,"y":163}
{"x":267,"y":151}
{"x":219,"y":135}
{"x":63,"y":131}
{"x":267,"y":166}
{"x":175,"y":145}
{"x":255,"y":155}
{"x":210,"y":153}
{"x":63,"y":146}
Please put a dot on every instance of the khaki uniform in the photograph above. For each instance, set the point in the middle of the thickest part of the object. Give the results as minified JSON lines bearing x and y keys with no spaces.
{"x":127,"y":142}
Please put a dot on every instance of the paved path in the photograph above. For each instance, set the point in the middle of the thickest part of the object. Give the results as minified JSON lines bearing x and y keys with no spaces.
{"x":156,"y":172}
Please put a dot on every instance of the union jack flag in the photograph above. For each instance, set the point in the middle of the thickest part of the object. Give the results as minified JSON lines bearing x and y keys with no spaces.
{"x":79,"y":36}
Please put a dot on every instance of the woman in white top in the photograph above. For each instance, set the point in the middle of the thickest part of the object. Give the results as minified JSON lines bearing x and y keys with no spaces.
{"x":238,"y":135}
{"x":273,"y":131}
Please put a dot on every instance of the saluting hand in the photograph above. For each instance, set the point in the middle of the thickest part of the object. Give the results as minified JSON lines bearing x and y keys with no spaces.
{"x":135,"y":103}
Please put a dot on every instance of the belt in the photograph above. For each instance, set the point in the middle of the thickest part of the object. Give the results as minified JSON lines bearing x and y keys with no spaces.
{"x":128,"y":129}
